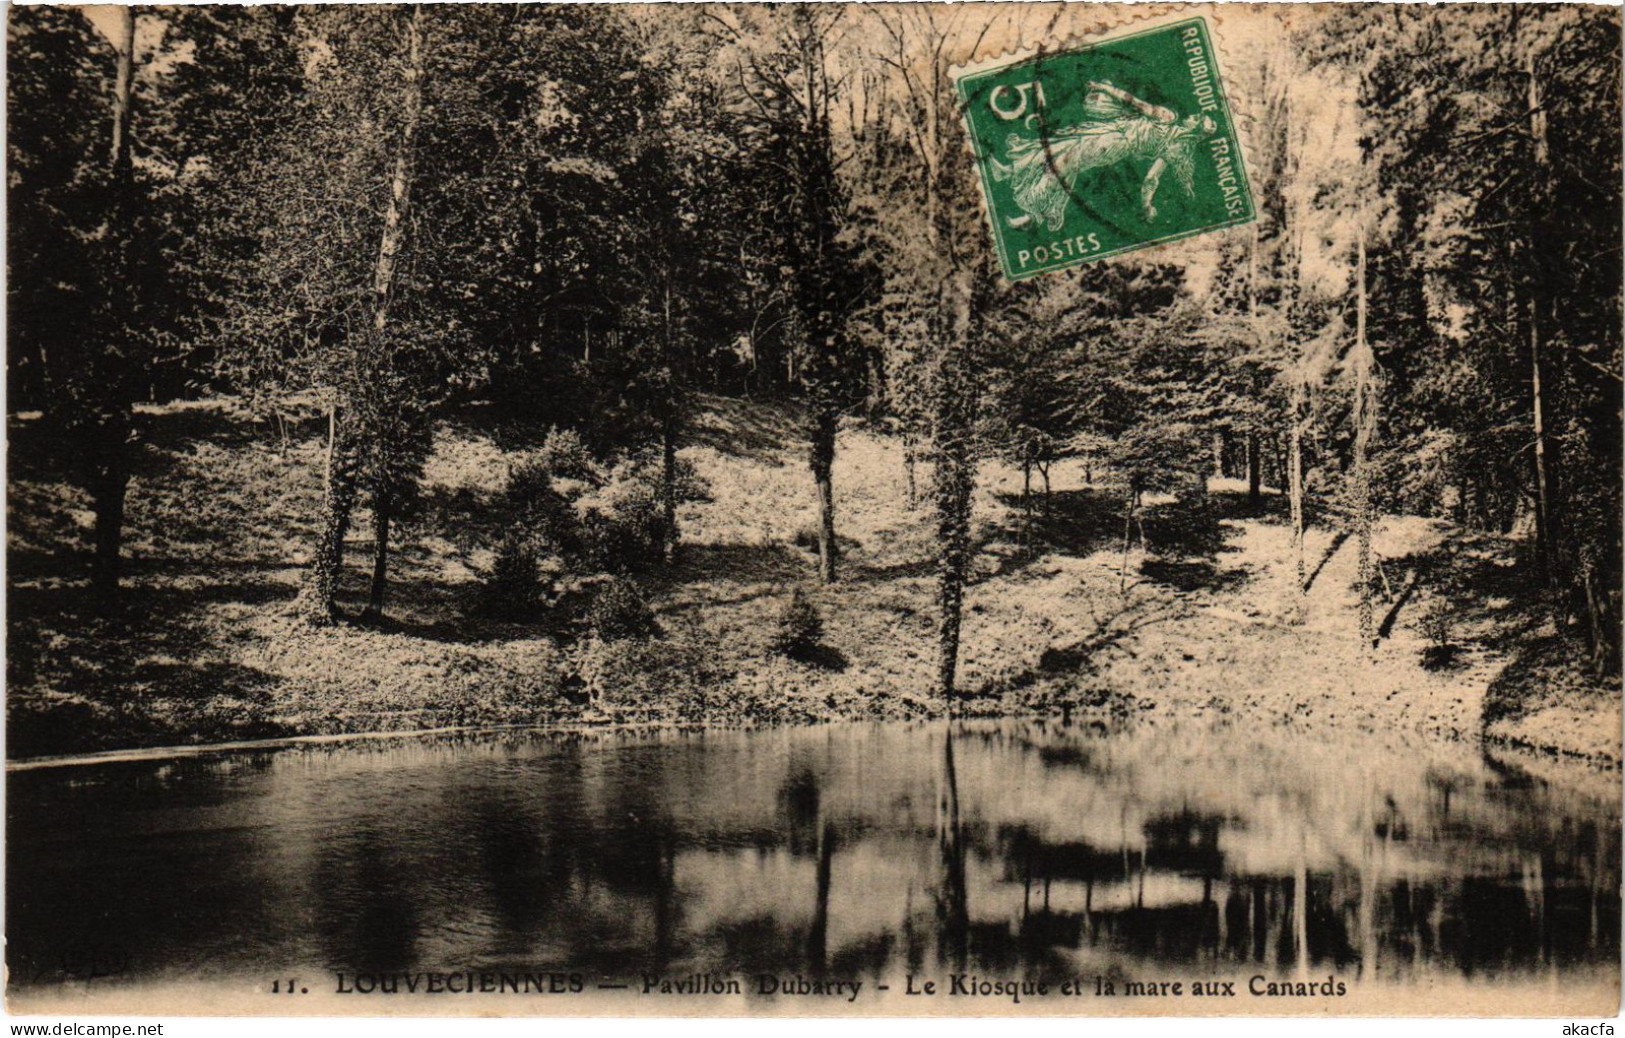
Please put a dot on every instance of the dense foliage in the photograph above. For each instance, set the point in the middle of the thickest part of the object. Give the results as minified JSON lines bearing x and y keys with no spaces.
{"x":570,"y":219}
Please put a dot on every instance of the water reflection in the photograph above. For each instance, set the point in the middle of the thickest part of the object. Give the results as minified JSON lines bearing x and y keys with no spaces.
{"x":852,"y":851}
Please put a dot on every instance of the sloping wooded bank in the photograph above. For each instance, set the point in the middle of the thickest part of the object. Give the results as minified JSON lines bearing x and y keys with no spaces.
{"x":1200,"y":617}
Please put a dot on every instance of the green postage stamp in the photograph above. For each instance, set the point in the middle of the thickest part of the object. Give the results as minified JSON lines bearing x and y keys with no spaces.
{"x":1105,"y":148}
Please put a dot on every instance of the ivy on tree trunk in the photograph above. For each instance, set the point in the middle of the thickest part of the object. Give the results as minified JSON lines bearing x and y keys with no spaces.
{"x":954,"y":478}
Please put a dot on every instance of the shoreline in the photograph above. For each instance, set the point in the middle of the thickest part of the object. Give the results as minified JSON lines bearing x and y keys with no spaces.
{"x":1524,"y":751}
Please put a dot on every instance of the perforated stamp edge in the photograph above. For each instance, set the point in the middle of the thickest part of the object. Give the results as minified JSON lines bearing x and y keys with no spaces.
{"x":1120,"y":19}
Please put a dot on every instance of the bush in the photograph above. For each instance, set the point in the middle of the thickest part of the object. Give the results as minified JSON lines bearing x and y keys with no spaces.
{"x":630,"y":540}
{"x":618,"y":611}
{"x":806,"y":537}
{"x":647,"y":679}
{"x":1435,"y":623}
{"x":628,"y":533}
{"x":642,"y":530}
{"x":624,"y":527}
{"x":565,"y":455}
{"x":646,"y":469}
{"x":1438,"y":626}
{"x":512,"y":589}
{"x":529,"y":484}
{"x":799,"y":628}
{"x":540,"y":511}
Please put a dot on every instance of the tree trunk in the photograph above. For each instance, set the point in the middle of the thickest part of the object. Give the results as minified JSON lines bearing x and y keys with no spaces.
{"x":1025,"y":536}
{"x":110,"y":475}
{"x":1545,"y":532}
{"x":823,"y":462}
{"x":343,"y":446}
{"x":955,"y":475}
{"x":1255,"y":470}
{"x":1567,"y":567}
{"x":668,"y":422}
{"x":1597,"y":610}
{"x":317,"y":603}
{"x":332,"y":446}
{"x":1294,"y":474}
{"x":400,"y":181}
{"x":1139,"y":520}
{"x":1128,"y":531}
{"x":382,"y":510}
{"x":110,"y":481}
{"x":123,"y":76}
{"x":668,"y":475}
{"x":874,"y":403}
{"x":1548,"y":537}
{"x":1218,"y":454}
{"x":816,"y":276}
{"x":910,"y":452}
{"x":1364,"y":415}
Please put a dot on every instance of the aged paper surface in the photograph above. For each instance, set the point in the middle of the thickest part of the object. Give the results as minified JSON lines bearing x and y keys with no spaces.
{"x":896,"y":510}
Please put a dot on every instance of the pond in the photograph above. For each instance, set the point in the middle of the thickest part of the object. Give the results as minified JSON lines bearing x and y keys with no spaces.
{"x":880,"y":854}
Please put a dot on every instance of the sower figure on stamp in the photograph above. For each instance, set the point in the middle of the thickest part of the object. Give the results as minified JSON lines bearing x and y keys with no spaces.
{"x":1117,"y":126}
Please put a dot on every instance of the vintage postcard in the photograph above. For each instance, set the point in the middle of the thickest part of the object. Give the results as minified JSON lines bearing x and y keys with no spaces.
{"x":847,"y":510}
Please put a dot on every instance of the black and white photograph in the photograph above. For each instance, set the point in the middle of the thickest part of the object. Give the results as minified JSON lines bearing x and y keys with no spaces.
{"x":831,"y":509}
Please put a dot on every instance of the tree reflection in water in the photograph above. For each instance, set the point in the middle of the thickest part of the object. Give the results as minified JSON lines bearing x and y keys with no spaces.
{"x":854,"y":851}
{"x":953,"y":911}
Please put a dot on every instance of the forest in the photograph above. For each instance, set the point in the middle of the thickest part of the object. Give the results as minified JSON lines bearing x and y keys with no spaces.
{"x":389,"y":366}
